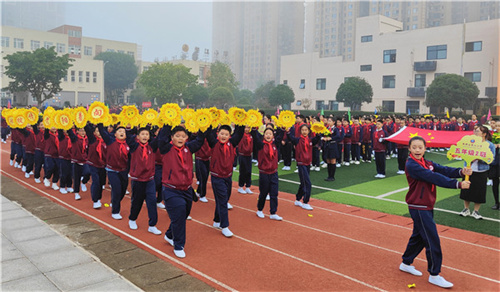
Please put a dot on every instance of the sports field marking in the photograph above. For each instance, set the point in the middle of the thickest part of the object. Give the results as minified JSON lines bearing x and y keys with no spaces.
{"x":201,"y":274}
{"x":391,"y":193}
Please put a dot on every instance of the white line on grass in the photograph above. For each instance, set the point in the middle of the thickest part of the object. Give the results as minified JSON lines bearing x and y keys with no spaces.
{"x":390,"y":193}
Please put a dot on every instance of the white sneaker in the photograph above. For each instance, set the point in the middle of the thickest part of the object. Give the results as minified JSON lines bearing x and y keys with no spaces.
{"x":382,"y":176}
{"x":197,"y":182}
{"x":26,"y":175}
{"x":356,"y":162}
{"x":46,"y":182}
{"x":103,"y":187}
{"x":127,"y":192}
{"x":338,"y":165}
{"x":11,"y":162}
{"x":63,"y":191}
{"x":234,"y":168}
{"x":268,"y":198}
{"x":179,"y":253}
{"x":70,"y":190}
{"x":377,"y":176}
{"x":170,"y":241}
{"x":160,"y":205}
{"x":465,"y":212}
{"x":55,"y":187}
{"x":32,"y":173}
{"x":229,"y":206}
{"x":216,"y":225}
{"x":409,"y":269}
{"x":324,"y":165}
{"x":347,"y":164}
{"x":154,"y":230}
{"x":249,"y":191}
{"x":97,"y":204}
{"x":226,"y":232}
{"x":204,"y":199}
{"x":476,"y":215}
{"x":83,"y":187}
{"x":260,"y":214}
{"x":389,"y":158}
{"x":256,"y":164}
{"x":489,"y":183}
{"x":117,"y":216}
{"x":400,"y":172}
{"x":189,"y":218}
{"x":298,"y":203}
{"x":37,"y":180}
{"x":317,"y":168}
{"x":275,"y":217}
{"x":307,"y":207}
{"x":23,"y":168}
{"x":77,"y":196}
{"x":394,"y":155}
{"x":241,"y":191}
{"x":440,"y":281}
{"x":16,"y":165}
{"x":297,"y":170}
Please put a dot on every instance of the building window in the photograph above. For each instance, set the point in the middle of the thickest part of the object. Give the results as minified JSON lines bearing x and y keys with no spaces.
{"x":414,"y":26}
{"x":413,"y":107}
{"x":87,"y":51}
{"x":35,"y":45}
{"x":436,"y":75}
{"x":302,"y":84}
{"x":365,"y":67}
{"x":75,"y":33}
{"x":130,"y":54}
{"x":61,"y":48}
{"x":80,"y":76}
{"x":87,"y":76}
{"x":346,"y":78}
{"x":65,"y":78}
{"x":366,"y":38}
{"x":474,"y":46}
{"x":285,"y":82}
{"x":389,"y":81}
{"x":333,"y":105}
{"x":320,"y":105}
{"x":110,"y":50}
{"x":47,"y":45}
{"x":5,"y":42}
{"x":389,"y":56}
{"x":321,"y":84}
{"x":388,"y":106}
{"x":419,"y":80}
{"x":18,"y":43}
{"x":473,"y":76}
{"x":72,"y":76}
{"x":74,"y":50}
{"x":436,"y":52}
{"x":94,"y":77}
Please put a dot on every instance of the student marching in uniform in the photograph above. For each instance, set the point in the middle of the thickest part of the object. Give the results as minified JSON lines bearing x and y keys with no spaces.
{"x":245,"y":149}
{"x":223,"y":152}
{"x":423,"y":176}
{"x":330,"y":149}
{"x":268,"y":145}
{"x":347,"y":141}
{"x":158,"y":172}
{"x":16,"y":149}
{"x":39,"y":148}
{"x":177,"y":180}
{"x":379,"y":147}
{"x":66,"y":175}
{"x":116,"y":165}
{"x":303,"y":152}
{"x":202,"y":165}
{"x":340,"y":143}
{"x":402,"y":150}
{"x":79,"y":149}
{"x":356,"y":140}
{"x":29,"y":149}
{"x":142,"y":173}
{"x":96,"y":161}
{"x":51,"y":152}
{"x":367,"y":140}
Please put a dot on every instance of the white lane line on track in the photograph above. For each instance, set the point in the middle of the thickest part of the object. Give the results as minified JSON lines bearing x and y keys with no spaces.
{"x":201,"y":274}
{"x":390,"y":193}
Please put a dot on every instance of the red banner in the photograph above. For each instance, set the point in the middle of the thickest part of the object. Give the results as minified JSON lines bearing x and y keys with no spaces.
{"x":146,"y":104}
{"x":431,"y":137}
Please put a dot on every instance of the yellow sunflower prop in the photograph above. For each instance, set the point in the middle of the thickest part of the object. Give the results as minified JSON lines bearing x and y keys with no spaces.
{"x":107,"y":120}
{"x":115,"y":119}
{"x":276,"y":122}
{"x":20,"y":119}
{"x":32,"y":116}
{"x":191,"y":124}
{"x":130,"y":115}
{"x":11,"y":121}
{"x":237,"y":115}
{"x":80,"y":117}
{"x":48,"y":119}
{"x":170,"y":113}
{"x":6,"y":112}
{"x":187,"y":113}
{"x":254,"y":119}
{"x":287,"y":119}
{"x":216,"y":116}
{"x":203,"y":119}
{"x":318,"y":128}
{"x":224,"y":118}
{"x":149,"y":117}
{"x":97,"y":112}
{"x":63,"y":119}
{"x":49,"y":110}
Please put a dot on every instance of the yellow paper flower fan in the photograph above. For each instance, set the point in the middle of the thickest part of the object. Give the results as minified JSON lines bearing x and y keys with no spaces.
{"x":108,"y":120}
{"x":6,"y":112}
{"x":32,"y":116}
{"x":80,"y":117}
{"x":187,"y":113}
{"x":254,"y":119}
{"x":49,"y":110}
{"x":20,"y":119}
{"x":11,"y":121}
{"x":170,"y":114}
{"x":224,"y":118}
{"x":191,"y":124}
{"x":129,"y":115}
{"x":287,"y":119}
{"x":63,"y":119}
{"x":237,"y":115}
{"x":318,"y":128}
{"x":149,"y":117}
{"x":115,"y":119}
{"x":216,"y":116}
{"x":35,"y":110}
{"x":48,"y":119}
{"x":203,"y":119}
{"x":97,"y":112}
{"x":276,"y":121}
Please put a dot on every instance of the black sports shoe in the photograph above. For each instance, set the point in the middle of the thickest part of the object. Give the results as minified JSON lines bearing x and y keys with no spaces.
{"x":496,"y":207}
{"x":329,"y":179}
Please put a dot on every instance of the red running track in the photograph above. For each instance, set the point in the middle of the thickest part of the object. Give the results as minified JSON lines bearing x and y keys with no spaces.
{"x":334,"y":247}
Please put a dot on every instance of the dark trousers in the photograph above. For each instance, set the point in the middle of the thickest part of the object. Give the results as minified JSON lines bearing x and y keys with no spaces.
{"x":305,"y":184}
{"x":424,"y":235}
{"x":235,"y":162}
{"x":13,"y":149}
{"x":98,"y":180}
{"x":347,"y":152}
{"x":380,"y":162}
{"x":268,"y":185}
{"x":25,"y":159}
{"x":17,"y":151}
{"x":39,"y":162}
{"x":286,"y":152}
{"x":245,"y":177}
{"x":4,"y":133}
{"x":119,"y":183}
{"x":144,"y":190}
{"x":202,"y":172}
{"x":367,"y":153}
{"x":340,"y":147}
{"x":80,"y":171}
{"x":178,"y":208}
{"x":315,"y":156}
{"x":402,"y":157}
{"x":30,"y":161}
{"x":66,"y":173}
{"x":355,"y":151}
{"x":222,"y":193}
{"x":52,"y":168}
{"x":158,"y":185}
{"x":496,"y":183}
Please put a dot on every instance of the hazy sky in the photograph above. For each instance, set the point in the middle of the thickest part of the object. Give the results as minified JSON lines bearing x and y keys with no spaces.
{"x":160,"y":27}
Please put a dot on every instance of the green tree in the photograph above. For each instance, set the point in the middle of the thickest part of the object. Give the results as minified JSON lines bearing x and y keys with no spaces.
{"x":244,"y":97}
{"x":220,"y":75}
{"x":263,"y":91}
{"x":166,"y":82}
{"x":281,"y":95}
{"x":138,"y":96}
{"x":451,"y":91}
{"x":221,"y":97}
{"x":119,"y":72}
{"x":196,"y":95}
{"x":353,"y":92}
{"x":38,"y":72}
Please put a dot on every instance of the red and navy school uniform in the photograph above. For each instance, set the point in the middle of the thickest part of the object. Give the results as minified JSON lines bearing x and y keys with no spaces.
{"x":177,"y":183}
{"x":367,"y":142}
{"x":202,"y":165}
{"x":389,"y":129}
{"x":356,"y":140}
{"x":340,"y":144}
{"x":16,"y":146}
{"x":423,"y":176}
{"x":51,"y":152}
{"x":286,"y":151}
{"x":5,"y":129}
{"x":117,"y":167}
{"x":158,"y":175}
{"x":79,"y":149}
{"x":461,"y":127}
{"x":96,"y":162}
{"x":379,"y":148}
{"x":29,"y":148}
{"x":221,"y":171}
{"x":65,"y":165}
{"x":39,"y":148}
{"x":330,"y":150}
{"x":303,"y":154}
{"x":268,"y":169}
{"x":245,"y":149}
{"x":347,"y":143}
{"x":142,"y":173}
{"x":472,"y":124}
{"x":452,"y":126}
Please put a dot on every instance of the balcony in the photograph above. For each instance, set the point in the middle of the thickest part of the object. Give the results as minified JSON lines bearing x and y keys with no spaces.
{"x":415,"y":91}
{"x":490,"y":91}
{"x":425,"y":66}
